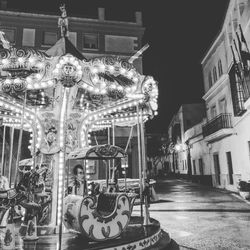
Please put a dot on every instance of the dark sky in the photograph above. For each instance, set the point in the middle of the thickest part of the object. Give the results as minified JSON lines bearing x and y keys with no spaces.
{"x":179,"y":33}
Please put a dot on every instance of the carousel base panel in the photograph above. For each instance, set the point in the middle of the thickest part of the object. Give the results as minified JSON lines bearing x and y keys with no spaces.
{"x":136,"y":237}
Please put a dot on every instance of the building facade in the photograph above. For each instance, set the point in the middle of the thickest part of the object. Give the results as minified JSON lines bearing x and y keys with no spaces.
{"x":187,"y":116}
{"x":226,"y":85}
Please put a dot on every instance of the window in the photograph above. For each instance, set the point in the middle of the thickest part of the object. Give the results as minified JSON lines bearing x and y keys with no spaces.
{"x":241,"y":7}
{"x":220,"y":68}
{"x":49,"y":38}
{"x":9,"y":34}
{"x":194,"y":167}
{"x":90,"y":41}
{"x":201,"y":166}
{"x":29,"y":37}
{"x":210,"y":81}
{"x":230,"y":37}
{"x":215,"y":74}
{"x":223,"y":106}
{"x":213,"y":112}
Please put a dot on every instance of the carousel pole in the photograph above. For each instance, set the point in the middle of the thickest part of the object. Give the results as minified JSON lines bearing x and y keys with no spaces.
{"x":108,"y":162}
{"x":12,"y":130}
{"x":139,"y":158}
{"x":126,"y":159}
{"x":146,"y":221}
{"x":20,"y":138}
{"x":3,"y":151}
{"x":34,"y":141}
{"x":62,"y":161}
{"x":113,"y":143}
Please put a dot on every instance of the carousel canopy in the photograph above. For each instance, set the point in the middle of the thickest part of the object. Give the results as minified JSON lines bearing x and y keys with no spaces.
{"x":98,"y":152}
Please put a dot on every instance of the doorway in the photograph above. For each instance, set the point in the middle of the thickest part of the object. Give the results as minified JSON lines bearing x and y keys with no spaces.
{"x":217,"y":169}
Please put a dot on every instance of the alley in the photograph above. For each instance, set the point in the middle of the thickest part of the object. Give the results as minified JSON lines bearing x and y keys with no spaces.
{"x":201,"y":217}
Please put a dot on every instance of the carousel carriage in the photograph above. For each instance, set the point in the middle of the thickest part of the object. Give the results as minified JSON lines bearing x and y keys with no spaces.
{"x":104,"y":215}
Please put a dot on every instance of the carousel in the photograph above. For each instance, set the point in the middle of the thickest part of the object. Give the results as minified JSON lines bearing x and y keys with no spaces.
{"x":61,"y":102}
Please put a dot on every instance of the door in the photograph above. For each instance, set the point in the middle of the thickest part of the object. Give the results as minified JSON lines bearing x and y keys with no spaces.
{"x":230,"y":168}
{"x":217,"y":168}
{"x":201,"y":166}
{"x":194,"y":167}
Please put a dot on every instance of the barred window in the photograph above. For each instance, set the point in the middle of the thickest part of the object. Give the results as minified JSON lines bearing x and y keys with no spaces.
{"x":220,"y":68}
{"x":215,"y":74}
{"x":210,"y":80}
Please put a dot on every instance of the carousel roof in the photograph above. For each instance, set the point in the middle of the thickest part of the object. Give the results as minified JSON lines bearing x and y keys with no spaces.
{"x":102,"y":92}
{"x":98,"y":152}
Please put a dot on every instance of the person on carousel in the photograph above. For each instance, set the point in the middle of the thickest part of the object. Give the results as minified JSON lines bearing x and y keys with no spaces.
{"x":78,"y":186}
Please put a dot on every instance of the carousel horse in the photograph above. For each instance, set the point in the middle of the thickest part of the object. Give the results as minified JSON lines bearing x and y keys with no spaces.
{"x":20,"y":195}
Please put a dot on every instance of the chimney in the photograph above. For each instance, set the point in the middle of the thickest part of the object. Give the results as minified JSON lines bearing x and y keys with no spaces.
{"x":101,"y":14}
{"x":138,"y":17}
{"x":3,"y":4}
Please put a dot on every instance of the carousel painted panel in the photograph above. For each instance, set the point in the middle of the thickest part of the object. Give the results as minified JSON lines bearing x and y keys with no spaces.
{"x":99,"y":218}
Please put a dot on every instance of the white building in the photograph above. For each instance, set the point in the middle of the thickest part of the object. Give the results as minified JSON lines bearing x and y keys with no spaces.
{"x":187,"y":116}
{"x":226,"y":131}
{"x":197,"y":153}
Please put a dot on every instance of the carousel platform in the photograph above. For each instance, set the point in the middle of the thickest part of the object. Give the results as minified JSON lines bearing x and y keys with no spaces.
{"x":134,"y":237}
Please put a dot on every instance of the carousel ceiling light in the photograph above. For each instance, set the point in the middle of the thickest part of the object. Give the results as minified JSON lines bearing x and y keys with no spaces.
{"x":17,"y":80}
{"x":122,"y":70}
{"x":120,"y":88}
{"x":5,"y":61}
{"x":36,"y":86}
{"x":29,"y":86}
{"x":95,"y":79}
{"x":111,"y":68}
{"x":8,"y":81}
{"x":94,"y":70}
{"x":39,"y":76}
{"x":130,"y":74}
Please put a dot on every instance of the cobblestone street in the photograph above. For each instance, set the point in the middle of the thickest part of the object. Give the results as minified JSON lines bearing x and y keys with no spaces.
{"x":200,"y":217}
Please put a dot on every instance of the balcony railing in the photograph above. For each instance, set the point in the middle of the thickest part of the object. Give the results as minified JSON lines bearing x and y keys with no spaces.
{"x":221,"y":121}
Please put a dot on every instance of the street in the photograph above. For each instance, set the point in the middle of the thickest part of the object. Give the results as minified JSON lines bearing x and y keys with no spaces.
{"x":201,"y":217}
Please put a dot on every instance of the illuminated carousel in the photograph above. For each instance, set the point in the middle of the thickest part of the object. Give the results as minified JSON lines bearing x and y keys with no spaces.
{"x":62,"y":101}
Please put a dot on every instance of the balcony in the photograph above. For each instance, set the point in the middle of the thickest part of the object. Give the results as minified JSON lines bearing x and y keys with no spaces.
{"x":218,"y":128}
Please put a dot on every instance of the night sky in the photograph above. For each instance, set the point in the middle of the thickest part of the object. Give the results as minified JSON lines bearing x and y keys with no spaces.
{"x":179,"y":34}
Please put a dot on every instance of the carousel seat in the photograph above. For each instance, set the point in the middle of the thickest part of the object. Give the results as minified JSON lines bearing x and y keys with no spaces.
{"x":106,"y":203}
{"x":99,"y":217}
